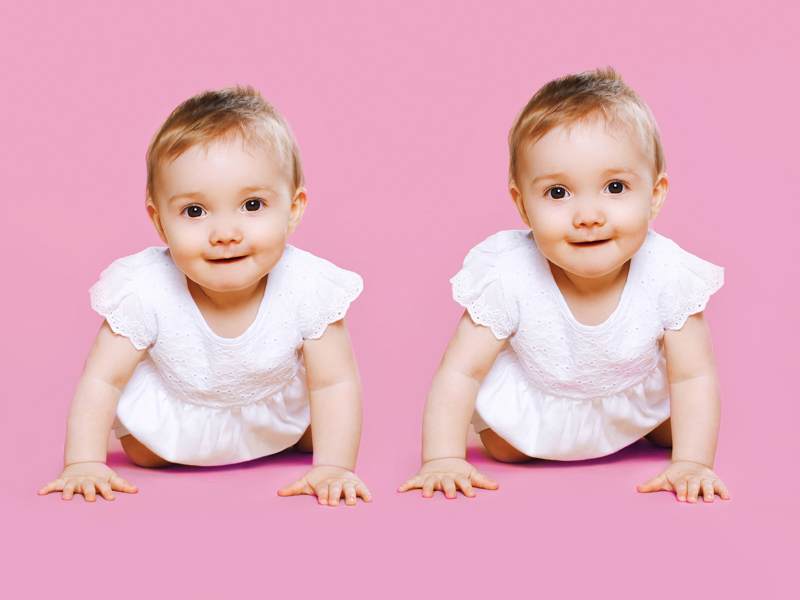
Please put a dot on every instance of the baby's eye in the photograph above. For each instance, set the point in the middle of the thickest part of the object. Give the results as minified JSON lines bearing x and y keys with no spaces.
{"x":557,"y":192}
{"x":616,"y":187}
{"x":194,"y":211}
{"x":253,"y":205}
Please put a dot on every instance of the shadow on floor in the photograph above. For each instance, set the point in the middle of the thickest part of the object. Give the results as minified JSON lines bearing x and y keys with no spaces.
{"x":117,"y":458}
{"x":639,"y":451}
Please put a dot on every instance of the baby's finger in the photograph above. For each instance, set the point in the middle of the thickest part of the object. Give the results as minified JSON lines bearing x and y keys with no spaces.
{"x":708,"y":490}
{"x":411,"y":484}
{"x":720,"y":489}
{"x":87,"y":489}
{"x":692,"y":491}
{"x":349,"y":491}
{"x":121,"y":485}
{"x":293,"y":489}
{"x":69,"y":489}
{"x":54,"y":486}
{"x":334,"y":494}
{"x":431,"y":483}
{"x":449,"y":487}
{"x":466,"y":486}
{"x":482,"y":481}
{"x":322,"y":493}
{"x":362,"y":491}
{"x":105,"y":490}
{"x":656,"y":484}
{"x":681,"y":489}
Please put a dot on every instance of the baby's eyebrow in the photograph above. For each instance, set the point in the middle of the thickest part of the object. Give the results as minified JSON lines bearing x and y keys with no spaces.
{"x":549,"y":176}
{"x":186,"y":196}
{"x":621,"y":171}
{"x":197,"y":196}
{"x":258,"y":188}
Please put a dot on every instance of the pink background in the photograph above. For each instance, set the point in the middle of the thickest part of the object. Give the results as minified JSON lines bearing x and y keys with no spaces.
{"x":401,"y":113}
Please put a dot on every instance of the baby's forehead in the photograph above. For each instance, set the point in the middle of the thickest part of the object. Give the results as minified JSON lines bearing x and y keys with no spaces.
{"x":246,"y":144}
{"x":190,"y":163}
{"x":246,"y":147}
{"x":621,"y":131}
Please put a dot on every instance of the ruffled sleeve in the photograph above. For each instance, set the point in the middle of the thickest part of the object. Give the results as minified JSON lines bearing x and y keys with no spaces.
{"x":326,"y":292}
{"x":692,"y":283}
{"x":115,"y":297}
{"x":480,"y":287}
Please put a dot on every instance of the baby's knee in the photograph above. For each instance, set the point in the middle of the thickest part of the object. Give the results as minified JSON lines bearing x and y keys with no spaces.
{"x":140,"y":454}
{"x":501,"y":450}
{"x":305,"y":443}
{"x":661,"y":435}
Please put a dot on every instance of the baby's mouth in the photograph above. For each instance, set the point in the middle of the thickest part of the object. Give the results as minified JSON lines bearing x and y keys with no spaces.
{"x":590,"y":244}
{"x":225,"y":261}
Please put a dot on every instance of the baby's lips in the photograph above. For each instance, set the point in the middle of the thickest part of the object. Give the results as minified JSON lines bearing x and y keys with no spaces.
{"x":225,"y":259}
{"x":590,"y":242}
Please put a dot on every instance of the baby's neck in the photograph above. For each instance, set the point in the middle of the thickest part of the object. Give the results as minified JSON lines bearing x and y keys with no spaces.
{"x":228,"y":314}
{"x":591,"y":300}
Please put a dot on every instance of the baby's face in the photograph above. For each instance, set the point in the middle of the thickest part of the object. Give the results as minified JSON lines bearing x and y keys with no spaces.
{"x":588,"y":194}
{"x":225,"y":211}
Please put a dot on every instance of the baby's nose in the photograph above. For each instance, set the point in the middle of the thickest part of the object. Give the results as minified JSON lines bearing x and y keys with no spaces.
{"x":225,"y":232}
{"x":589,"y":214}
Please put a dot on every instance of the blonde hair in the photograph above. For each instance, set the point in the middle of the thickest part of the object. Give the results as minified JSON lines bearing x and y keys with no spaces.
{"x":585,"y":97}
{"x":238,"y":111}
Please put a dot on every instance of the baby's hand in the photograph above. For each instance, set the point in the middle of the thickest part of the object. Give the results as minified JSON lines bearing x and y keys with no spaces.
{"x":88,"y":478}
{"x":446,"y":474}
{"x":328,"y":484}
{"x":687,"y":479}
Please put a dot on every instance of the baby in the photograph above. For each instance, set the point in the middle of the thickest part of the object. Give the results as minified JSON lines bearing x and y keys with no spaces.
{"x":229,"y":344}
{"x":585,"y":332}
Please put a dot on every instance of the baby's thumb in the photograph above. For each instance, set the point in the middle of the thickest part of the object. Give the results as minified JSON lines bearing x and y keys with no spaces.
{"x":656,"y":484}
{"x":292,"y":489}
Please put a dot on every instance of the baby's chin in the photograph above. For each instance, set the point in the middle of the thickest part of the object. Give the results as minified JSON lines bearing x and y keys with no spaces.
{"x":222,"y":286}
{"x":590,"y":270}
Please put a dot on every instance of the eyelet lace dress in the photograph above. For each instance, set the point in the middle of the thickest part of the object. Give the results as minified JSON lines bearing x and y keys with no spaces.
{"x":197,"y":398}
{"x":562,"y":390}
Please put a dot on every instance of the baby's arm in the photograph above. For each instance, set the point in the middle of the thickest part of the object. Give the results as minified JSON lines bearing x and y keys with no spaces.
{"x":108,"y":368}
{"x":695,"y":415}
{"x":335,"y":395}
{"x":448,"y":412}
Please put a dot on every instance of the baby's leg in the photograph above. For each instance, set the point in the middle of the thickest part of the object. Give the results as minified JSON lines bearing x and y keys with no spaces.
{"x":141,"y":454}
{"x":500,"y":449}
{"x":305,"y":443}
{"x":661,"y":435}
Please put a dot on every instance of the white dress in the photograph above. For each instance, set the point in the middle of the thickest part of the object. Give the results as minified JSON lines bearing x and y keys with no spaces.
{"x":562,"y":390}
{"x":197,"y":398}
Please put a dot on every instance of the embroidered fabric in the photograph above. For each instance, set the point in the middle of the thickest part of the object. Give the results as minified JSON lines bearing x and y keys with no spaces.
{"x":696,"y":282}
{"x":569,"y":371}
{"x":114,"y":296}
{"x":479,"y":286}
{"x":198,"y":398}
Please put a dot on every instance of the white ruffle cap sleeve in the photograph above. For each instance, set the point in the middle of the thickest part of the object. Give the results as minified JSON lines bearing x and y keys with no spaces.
{"x":692,"y":282}
{"x":116,"y":297}
{"x":481,"y":288}
{"x":324,"y":293}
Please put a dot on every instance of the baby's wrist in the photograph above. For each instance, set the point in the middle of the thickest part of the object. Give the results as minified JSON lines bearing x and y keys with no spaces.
{"x":425,"y":461}
{"x":73,"y":463}
{"x":694,"y":462}
{"x":332,"y":466}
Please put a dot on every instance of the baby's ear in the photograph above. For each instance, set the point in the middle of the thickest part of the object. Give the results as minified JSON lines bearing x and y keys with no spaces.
{"x":660,"y":189}
{"x":516,"y":196}
{"x":298,"y":208}
{"x":152,"y":212}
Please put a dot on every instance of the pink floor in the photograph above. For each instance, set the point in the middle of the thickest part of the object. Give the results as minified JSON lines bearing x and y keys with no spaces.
{"x":401,"y":115}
